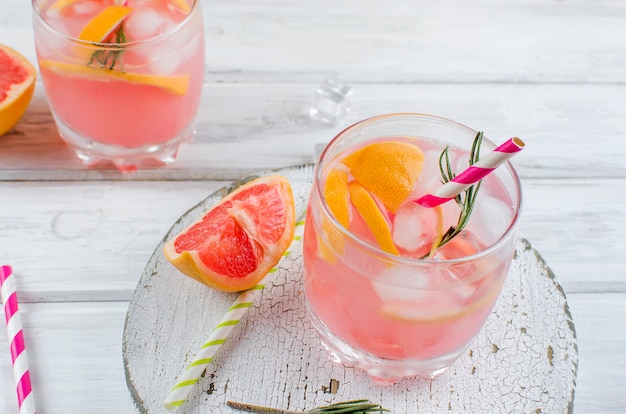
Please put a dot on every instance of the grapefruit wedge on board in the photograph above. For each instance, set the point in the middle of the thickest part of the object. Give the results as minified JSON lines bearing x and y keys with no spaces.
{"x":17,"y":83}
{"x":233,"y":245}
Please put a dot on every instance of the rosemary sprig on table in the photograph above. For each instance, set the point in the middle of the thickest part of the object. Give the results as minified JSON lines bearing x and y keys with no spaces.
{"x":466,"y":199}
{"x":110,"y":55}
{"x":348,"y":407}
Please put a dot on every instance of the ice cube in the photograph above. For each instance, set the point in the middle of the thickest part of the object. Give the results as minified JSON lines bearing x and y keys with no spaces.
{"x":462,"y":245}
{"x":490,"y":217}
{"x":143,"y":24}
{"x":331,"y":102}
{"x":178,"y":46}
{"x":465,"y":292}
{"x":164,"y":57}
{"x":430,"y":178}
{"x":414,"y":227}
{"x":52,"y":13}
{"x":459,"y":160}
{"x":190,"y":48}
{"x":408,"y":231}
{"x":86,"y":7}
{"x":164,"y":64}
{"x":400,"y":284}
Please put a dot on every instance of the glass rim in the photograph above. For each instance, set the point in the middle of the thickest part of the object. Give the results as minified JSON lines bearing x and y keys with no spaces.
{"x":38,"y":15}
{"x":407,"y":261}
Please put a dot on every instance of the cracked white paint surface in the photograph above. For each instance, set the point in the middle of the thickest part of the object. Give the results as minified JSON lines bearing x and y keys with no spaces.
{"x":524,"y":360}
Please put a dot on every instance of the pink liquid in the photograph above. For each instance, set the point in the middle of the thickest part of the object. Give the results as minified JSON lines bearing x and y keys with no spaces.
{"x":416,"y":311}
{"x":117,"y":112}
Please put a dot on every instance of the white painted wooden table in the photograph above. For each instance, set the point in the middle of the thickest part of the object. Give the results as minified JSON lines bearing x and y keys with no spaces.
{"x":552,"y":72}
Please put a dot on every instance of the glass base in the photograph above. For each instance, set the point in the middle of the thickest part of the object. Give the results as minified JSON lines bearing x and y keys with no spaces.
{"x":382,"y":371}
{"x":125,"y":159}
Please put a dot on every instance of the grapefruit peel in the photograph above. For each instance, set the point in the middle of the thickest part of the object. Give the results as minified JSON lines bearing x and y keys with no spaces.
{"x":17,"y":84}
{"x":101,"y":29}
{"x":382,"y":172}
{"x":387,"y":169}
{"x":336,"y":195}
{"x":177,"y":85}
{"x":240,"y":239}
{"x":104,"y":24}
{"x":366,"y":206}
{"x":337,"y":198}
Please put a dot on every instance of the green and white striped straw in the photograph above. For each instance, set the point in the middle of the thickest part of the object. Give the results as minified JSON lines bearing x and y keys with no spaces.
{"x":188,"y":379}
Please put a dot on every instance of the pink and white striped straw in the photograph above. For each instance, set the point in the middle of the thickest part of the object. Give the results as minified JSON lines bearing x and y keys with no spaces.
{"x":25,"y":399}
{"x":473,"y":174}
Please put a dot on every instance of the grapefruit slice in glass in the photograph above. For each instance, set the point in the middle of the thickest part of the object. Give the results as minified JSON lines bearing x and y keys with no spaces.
{"x":387,"y":169}
{"x":104,"y":24}
{"x":177,"y":85}
{"x":233,"y":246}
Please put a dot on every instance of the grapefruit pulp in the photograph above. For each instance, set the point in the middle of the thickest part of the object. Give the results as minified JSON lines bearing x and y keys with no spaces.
{"x":233,"y":245}
{"x":17,"y":83}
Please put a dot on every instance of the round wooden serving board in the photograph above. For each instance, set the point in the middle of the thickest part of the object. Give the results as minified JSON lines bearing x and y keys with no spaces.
{"x":524,"y":360}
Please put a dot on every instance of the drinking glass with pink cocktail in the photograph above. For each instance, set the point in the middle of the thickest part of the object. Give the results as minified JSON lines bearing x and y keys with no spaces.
{"x":393,"y":287}
{"x":123,"y":77}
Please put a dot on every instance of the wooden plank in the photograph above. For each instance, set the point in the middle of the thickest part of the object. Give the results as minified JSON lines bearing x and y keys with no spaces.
{"x":578,"y":227}
{"x":76,"y":363}
{"x":86,"y":241}
{"x":403,"y":41}
{"x":601,"y":332}
{"x":246,"y":128}
{"x":91,"y":240}
{"x":75,"y":357}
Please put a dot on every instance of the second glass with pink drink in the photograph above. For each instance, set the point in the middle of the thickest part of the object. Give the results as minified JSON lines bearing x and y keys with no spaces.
{"x":123,"y":77}
{"x":392,"y":287}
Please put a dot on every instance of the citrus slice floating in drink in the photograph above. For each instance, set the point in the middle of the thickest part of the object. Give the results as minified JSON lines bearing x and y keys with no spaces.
{"x":234,"y":245}
{"x":444,"y":307}
{"x":383,"y":172}
{"x":337,"y":198}
{"x":367,"y":208}
{"x":104,"y":24}
{"x":427,"y":311}
{"x":387,"y":169}
{"x":17,"y":83}
{"x":177,"y":85}
{"x":336,"y":195}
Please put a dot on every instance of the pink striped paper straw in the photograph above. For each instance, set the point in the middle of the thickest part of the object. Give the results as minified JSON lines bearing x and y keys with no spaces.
{"x":21,"y":373}
{"x":473,"y":174}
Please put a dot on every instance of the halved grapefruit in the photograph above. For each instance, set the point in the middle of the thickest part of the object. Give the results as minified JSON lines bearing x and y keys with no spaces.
{"x":17,"y":83}
{"x":233,"y":246}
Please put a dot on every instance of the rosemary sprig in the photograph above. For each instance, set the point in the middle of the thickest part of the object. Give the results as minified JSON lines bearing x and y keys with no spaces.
{"x":111,"y":54}
{"x":466,"y":199}
{"x":348,"y":407}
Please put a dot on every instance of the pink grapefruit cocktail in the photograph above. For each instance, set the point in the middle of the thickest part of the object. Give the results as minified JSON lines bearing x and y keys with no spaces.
{"x":123,"y":78}
{"x":380,"y":292}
